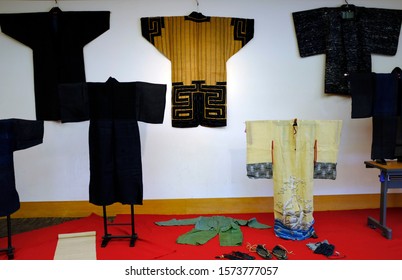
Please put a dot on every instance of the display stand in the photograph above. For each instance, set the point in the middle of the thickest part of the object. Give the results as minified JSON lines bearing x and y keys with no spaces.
{"x":390,"y":178}
{"x":9,"y":250}
{"x":107,"y":236}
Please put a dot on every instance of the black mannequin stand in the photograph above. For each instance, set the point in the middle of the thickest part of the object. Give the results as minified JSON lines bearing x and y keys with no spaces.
{"x":107,"y":237}
{"x":9,"y":250}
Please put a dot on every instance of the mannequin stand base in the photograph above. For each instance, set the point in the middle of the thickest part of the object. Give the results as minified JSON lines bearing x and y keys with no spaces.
{"x":108,"y":237}
{"x":10,"y":249}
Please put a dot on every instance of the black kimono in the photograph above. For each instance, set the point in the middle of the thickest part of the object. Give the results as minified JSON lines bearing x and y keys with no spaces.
{"x":114,"y":110}
{"x":379,"y":96}
{"x":15,"y":134}
{"x":57,"y":40}
{"x":347,"y":42}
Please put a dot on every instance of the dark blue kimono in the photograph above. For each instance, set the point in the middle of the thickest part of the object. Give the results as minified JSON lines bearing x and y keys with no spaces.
{"x":379,"y":96}
{"x":15,"y":134}
{"x":114,"y":110}
{"x":347,"y":42}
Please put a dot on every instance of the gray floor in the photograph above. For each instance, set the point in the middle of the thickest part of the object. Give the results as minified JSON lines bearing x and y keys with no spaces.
{"x":19,"y":225}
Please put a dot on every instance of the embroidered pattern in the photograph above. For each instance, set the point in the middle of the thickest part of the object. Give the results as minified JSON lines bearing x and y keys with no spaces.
{"x":263,"y":170}
{"x":198,"y":103}
{"x":198,"y":48}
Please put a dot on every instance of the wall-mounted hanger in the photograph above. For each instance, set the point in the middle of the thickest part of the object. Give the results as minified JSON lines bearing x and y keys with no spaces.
{"x":55,"y":10}
{"x":196,"y":14}
{"x":294,"y":126}
{"x":347,"y":10}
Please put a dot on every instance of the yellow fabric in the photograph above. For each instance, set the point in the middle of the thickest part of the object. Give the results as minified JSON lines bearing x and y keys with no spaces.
{"x":328,"y":135}
{"x":260,"y":133}
{"x":293,"y":171}
{"x":259,"y":141}
{"x":198,"y":51}
{"x":291,"y":149}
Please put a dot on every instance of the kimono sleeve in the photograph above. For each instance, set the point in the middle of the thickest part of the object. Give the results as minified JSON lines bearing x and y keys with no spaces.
{"x":259,"y":149}
{"x":362,"y":94}
{"x":382,"y":30}
{"x":28,"y":133}
{"x":310,"y":31}
{"x":19,"y":27}
{"x":152,"y":27}
{"x":178,"y":222}
{"x":243,"y":32}
{"x":93,"y":24}
{"x":150,"y":102}
{"x":328,"y":136}
{"x":74,"y":104}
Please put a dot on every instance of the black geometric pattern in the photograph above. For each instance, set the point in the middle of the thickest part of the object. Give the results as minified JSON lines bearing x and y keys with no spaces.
{"x":198,"y":104}
{"x":243,"y":29}
{"x":152,"y":27}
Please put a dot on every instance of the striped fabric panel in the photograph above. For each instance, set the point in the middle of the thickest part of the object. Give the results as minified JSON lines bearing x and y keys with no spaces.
{"x":198,"y":50}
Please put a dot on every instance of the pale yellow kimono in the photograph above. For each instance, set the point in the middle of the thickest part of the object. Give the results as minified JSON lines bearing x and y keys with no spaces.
{"x":293,"y":153}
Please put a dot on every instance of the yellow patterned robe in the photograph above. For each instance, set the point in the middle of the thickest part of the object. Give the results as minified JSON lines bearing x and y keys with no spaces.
{"x":293,"y":153}
{"x":198,"y":48}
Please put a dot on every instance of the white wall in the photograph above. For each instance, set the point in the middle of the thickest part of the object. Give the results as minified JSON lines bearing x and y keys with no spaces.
{"x":267,"y":80}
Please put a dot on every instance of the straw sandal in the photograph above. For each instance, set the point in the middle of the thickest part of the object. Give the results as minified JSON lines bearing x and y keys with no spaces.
{"x":280,"y":253}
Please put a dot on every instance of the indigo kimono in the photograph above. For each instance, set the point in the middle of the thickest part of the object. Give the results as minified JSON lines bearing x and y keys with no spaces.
{"x":15,"y":134}
{"x":347,"y":43}
{"x":379,"y":96}
{"x":114,"y":109}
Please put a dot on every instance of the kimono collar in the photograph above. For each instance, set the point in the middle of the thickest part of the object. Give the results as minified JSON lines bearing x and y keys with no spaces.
{"x":55,"y":11}
{"x":112,"y":80}
{"x":197,"y":17}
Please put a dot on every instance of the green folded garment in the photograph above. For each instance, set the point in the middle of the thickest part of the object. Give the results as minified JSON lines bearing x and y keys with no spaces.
{"x":207,"y":228}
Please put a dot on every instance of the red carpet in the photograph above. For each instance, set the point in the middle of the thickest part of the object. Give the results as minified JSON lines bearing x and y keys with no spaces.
{"x":347,"y":230}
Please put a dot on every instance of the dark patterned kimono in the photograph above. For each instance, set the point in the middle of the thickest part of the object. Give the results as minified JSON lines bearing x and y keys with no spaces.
{"x":57,"y":40}
{"x":198,"y":48}
{"x":347,"y":42}
{"x":114,"y":110}
{"x":15,"y":134}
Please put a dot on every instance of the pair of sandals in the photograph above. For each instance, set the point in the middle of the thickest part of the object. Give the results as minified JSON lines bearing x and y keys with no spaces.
{"x":278,"y":251}
{"x":236,"y":255}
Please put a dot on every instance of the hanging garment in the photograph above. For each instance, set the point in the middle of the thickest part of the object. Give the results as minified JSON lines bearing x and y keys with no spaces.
{"x":379,"y":95}
{"x":207,"y":228}
{"x":347,"y":43}
{"x":15,"y":134}
{"x":114,"y":109}
{"x":198,"y":48}
{"x":293,"y":154}
{"x":57,"y":39}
